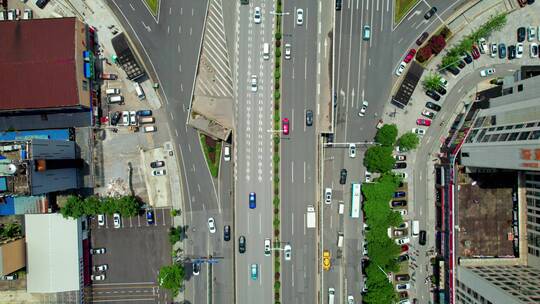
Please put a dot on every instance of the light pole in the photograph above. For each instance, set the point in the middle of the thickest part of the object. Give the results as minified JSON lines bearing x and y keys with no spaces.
{"x":279,"y":14}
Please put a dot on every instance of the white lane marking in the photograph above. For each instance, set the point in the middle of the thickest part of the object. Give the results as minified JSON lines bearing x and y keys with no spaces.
{"x":371,"y":26}
{"x":190,"y":31}
{"x":292,"y":223}
{"x":179,"y":29}
{"x":132,"y":8}
{"x":172,"y":117}
{"x":292,"y":275}
{"x":178,"y":48}
{"x":377,"y":5}
{"x":192,"y":11}
{"x":176,"y":132}
{"x":199,"y":187}
{"x":180,"y":68}
{"x":248,"y":225}
{"x":170,"y":10}
{"x":305,"y":68}
{"x":292,"y":172}
{"x":260,"y":223}
{"x":181,"y":11}
{"x":291,"y":124}
{"x":182,"y":88}
{"x":168,"y":29}
{"x":304,"y":172}
{"x":387,"y":5}
{"x":189,"y":147}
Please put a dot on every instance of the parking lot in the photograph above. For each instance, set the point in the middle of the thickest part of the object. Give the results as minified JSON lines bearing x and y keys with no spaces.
{"x":134,"y":254}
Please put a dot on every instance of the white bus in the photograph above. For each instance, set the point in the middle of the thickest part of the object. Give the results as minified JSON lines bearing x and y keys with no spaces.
{"x":356,"y":197}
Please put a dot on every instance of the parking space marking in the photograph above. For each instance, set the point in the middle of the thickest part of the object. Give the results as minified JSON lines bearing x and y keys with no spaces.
{"x":139,"y":221}
{"x":163,"y":212}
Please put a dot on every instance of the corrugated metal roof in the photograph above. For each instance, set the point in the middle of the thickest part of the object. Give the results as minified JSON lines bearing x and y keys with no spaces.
{"x":37,"y":64}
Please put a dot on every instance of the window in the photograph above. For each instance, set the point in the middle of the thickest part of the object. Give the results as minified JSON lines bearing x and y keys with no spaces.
{"x":519,"y":126}
{"x":499,"y":128}
{"x":486,"y":138}
{"x":524,"y":135}
{"x":530,"y":125}
{"x":520,"y":87}
{"x":44,"y":117}
{"x":503,"y":136}
{"x":491,"y":129}
{"x":513,"y":136}
{"x":508,"y":127}
{"x":535,"y":135}
{"x":85,"y":84}
{"x":465,"y":154}
{"x":494,"y":137}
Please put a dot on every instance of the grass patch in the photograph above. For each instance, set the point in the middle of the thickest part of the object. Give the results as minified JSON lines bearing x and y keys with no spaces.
{"x":402,"y":7}
{"x":153,"y":5}
{"x":212,"y":153}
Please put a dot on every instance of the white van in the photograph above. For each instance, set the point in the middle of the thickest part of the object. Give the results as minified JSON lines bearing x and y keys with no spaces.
{"x":341,"y":208}
{"x":146,"y":119}
{"x":112,"y":91}
{"x":340,"y":239}
{"x":139,"y":91}
{"x":415,"y":228}
{"x":149,"y":129}
{"x":266,"y":51}
{"x":115,"y":99}
{"x":331,"y":295}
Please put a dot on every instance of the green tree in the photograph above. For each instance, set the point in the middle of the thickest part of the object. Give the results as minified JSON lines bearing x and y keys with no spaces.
{"x":171,"y":278}
{"x":379,"y":159}
{"x":127,"y":206}
{"x":73,"y":208}
{"x":174,"y":235}
{"x":387,"y":135}
{"x":380,"y":290}
{"x":11,"y":229}
{"x":432,"y":81}
{"x":92,"y":205}
{"x":450,"y":60}
{"x":408,"y":141}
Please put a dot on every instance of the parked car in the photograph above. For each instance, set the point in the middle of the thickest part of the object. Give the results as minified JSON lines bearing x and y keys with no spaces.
{"x":422,"y":38}
{"x":461,"y":64}
{"x":453,"y":70}
{"x":125,"y":118}
{"x":430,"y":13}
{"x":343,"y":176}
{"x":117,"y":220}
{"x":533,"y":50}
{"x":211,"y":225}
{"x":482,"y":45}
{"x":423,"y":122}
{"x":400,"y":68}
{"x":511,"y":52}
{"x":433,"y":95}
{"x":493,"y":52}
{"x":42,"y":3}
{"x":433,"y":106}
{"x":402,"y":258}
{"x":422,"y":238}
{"x":440,"y":90}
{"x":115,"y":118}
{"x":409,"y":56}
{"x":467,"y":57}
{"x":522,"y":3}
{"x":102,"y":267}
{"x":160,"y":172}
{"x":399,"y":194}
{"x":367,"y":177}
{"x":531,"y":33}
{"x":502,"y":51}
{"x":144,"y":113}
{"x":400,"y":165}
{"x":402,"y":277}
{"x":97,"y":251}
{"x":242,"y":244}
{"x":404,"y":248}
{"x":97,"y":277}
{"x":521,"y":34}
{"x":428,"y":114}
{"x":487,"y":72}
{"x":519,"y":50}
{"x":398,"y":204}
{"x":403,"y":241}
{"x":101,"y":219}
{"x":419,"y":131}
{"x":400,"y":157}
{"x":475,"y":52}
{"x":157,"y":164}
{"x":444,"y":83}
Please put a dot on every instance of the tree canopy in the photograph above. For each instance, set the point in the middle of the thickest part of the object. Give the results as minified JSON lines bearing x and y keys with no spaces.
{"x":408,"y":141}
{"x":379,"y":159}
{"x":172,"y":278}
{"x":387,"y":135}
{"x":76,"y":206}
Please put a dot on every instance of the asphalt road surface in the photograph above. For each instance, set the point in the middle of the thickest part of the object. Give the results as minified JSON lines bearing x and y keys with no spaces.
{"x":253,"y":154}
{"x":298,"y":156}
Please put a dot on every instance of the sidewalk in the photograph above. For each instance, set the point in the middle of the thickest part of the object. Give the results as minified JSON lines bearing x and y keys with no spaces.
{"x":325,"y":67}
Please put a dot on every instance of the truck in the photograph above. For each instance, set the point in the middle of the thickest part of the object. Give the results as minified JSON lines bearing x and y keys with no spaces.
{"x":311,"y":218}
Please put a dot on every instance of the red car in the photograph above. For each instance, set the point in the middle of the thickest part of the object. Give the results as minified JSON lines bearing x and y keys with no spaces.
{"x":410,"y":55}
{"x":423,"y":122}
{"x":285,"y":124}
{"x":522,"y":3}
{"x":475,"y":52}
{"x":404,"y":248}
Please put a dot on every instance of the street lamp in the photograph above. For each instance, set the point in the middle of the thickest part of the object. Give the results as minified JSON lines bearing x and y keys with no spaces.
{"x":279,"y":14}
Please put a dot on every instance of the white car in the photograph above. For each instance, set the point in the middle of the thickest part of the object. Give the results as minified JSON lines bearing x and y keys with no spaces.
{"x":97,"y":251}
{"x":125,"y":118}
{"x":403,"y":212}
{"x":482,"y":45}
{"x":159,"y":172}
{"x":287,"y":51}
{"x":402,"y":287}
{"x":403,"y":241}
{"x":352,"y":150}
{"x":299,"y":16}
{"x":101,"y":220}
{"x":328,"y":196}
{"x":405,"y":301}
{"x":531,"y":31}
{"x":533,"y":50}
{"x":400,"y":68}
{"x":350,"y":299}
{"x":253,"y":83}
{"x":419,"y":131}
{"x":267,"y":247}
{"x":444,"y":83}
{"x":132,"y":118}
{"x":402,"y":175}
{"x":428,"y":114}
{"x":519,"y":50}
{"x":211,"y":225}
{"x":363,"y":109}
{"x":367,"y":177}
{"x":493,"y":50}
{"x":100,"y":267}
{"x":487,"y":72}
{"x":97,"y":277}
{"x":257,"y":15}
{"x":117,"y":221}
{"x":288,"y":252}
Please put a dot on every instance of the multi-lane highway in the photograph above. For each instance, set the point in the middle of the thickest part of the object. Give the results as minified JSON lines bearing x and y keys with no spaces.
{"x":253,"y":154}
{"x":298,"y":151}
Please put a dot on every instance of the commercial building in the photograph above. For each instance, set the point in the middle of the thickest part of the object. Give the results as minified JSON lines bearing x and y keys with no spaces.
{"x":504,"y":136}
{"x":12,"y":255}
{"x":47,"y":74}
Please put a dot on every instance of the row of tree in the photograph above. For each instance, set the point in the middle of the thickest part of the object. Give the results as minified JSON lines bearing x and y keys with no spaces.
{"x":379,"y":158}
{"x":77,"y":206}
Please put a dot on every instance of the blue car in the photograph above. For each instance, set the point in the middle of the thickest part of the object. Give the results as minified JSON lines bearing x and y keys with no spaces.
{"x":252,"y":200}
{"x":144,"y":113}
{"x":150,"y":217}
{"x":254,"y":271}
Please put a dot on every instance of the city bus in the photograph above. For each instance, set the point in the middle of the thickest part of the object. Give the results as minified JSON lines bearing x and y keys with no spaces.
{"x":356,"y":197}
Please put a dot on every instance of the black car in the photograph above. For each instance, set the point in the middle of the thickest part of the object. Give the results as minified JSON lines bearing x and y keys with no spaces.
{"x":440,"y":90}
{"x":330,"y":138}
{"x":511,"y":52}
{"x":400,"y":165}
{"x":196,"y":268}
{"x":343,"y":176}
{"x":433,"y":95}
{"x":242,"y":244}
{"x":422,"y":240}
{"x":338,"y":5}
{"x":157,"y":164}
{"x":467,"y":57}
{"x":422,"y":38}
{"x":461,"y":64}
{"x":399,"y":203}
{"x":521,"y":34}
{"x":365,"y":263}
{"x":309,"y":118}
{"x":115,"y":118}
{"x":227,"y":233}
{"x":502,"y":51}
{"x":403,"y":258}
{"x":433,"y":106}
{"x":430,"y":13}
{"x":399,"y":194}
{"x":530,"y":2}
{"x":453,"y":70}
{"x":402,"y":277}
{"x":41,"y":3}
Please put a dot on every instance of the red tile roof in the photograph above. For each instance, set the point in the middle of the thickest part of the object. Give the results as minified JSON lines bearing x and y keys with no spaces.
{"x":37,"y":64}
